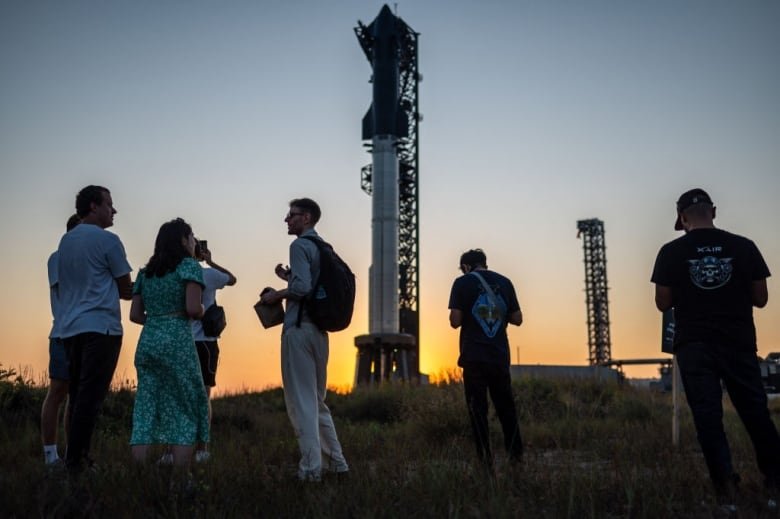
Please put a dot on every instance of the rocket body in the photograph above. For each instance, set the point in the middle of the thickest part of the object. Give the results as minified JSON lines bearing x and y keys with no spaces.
{"x":383,"y":124}
{"x":383,"y":273}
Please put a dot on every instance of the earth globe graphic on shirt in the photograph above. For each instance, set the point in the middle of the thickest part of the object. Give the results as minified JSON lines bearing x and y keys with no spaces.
{"x":488,"y":315}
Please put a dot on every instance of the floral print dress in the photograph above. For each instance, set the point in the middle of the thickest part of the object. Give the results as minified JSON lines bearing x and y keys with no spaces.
{"x":171,"y":405}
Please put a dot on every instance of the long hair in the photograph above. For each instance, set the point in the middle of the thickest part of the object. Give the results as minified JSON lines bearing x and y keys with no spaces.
{"x":168,"y":248}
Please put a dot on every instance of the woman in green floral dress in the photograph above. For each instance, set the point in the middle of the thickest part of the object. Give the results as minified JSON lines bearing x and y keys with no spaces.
{"x":171,"y":406}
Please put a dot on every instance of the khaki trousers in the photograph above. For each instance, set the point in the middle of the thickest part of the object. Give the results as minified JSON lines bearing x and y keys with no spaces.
{"x":304,"y":377}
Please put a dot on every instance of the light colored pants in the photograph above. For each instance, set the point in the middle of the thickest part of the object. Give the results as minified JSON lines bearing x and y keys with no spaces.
{"x":304,"y":377}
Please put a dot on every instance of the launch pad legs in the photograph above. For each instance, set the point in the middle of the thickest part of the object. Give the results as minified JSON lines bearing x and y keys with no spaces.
{"x":383,"y":357}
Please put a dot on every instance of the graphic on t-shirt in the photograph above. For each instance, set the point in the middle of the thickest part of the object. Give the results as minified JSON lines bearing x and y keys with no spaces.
{"x":488,"y":315}
{"x":710,"y":272}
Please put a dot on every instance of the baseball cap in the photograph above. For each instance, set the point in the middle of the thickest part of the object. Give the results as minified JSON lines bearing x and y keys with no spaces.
{"x":687,"y":199}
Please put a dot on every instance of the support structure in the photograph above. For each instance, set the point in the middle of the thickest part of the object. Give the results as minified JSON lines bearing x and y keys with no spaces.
{"x":391,"y":126}
{"x":599,"y":345}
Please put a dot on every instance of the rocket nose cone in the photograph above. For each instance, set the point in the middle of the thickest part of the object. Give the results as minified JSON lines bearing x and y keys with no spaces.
{"x":385,"y":17}
{"x":385,"y":11}
{"x":385,"y":23}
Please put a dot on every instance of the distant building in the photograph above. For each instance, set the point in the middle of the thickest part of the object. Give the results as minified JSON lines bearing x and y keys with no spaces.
{"x":770,"y":372}
{"x":552,"y":372}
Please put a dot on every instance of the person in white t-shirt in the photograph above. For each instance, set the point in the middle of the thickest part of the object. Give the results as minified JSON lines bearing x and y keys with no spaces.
{"x":58,"y":366}
{"x":93,"y":275}
{"x":215,"y":277}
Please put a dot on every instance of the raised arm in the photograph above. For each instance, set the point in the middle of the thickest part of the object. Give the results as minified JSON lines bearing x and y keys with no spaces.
{"x":231,"y":278}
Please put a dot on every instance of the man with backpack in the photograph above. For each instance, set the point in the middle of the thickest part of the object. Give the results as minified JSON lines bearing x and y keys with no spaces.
{"x":305,"y":344}
{"x":482,"y":303}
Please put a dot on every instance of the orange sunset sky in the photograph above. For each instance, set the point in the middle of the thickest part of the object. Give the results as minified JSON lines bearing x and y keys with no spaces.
{"x":536,"y":114}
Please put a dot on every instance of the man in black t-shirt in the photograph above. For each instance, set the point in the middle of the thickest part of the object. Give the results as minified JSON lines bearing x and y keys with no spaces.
{"x":482,"y":302}
{"x":713,"y":279}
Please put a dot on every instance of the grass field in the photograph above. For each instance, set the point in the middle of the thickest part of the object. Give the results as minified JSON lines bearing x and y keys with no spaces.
{"x":592,"y":450}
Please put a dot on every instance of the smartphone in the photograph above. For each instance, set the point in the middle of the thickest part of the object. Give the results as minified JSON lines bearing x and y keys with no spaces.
{"x":204,"y":245}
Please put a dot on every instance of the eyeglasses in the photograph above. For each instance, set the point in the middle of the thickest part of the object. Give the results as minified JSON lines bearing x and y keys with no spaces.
{"x":290,"y":215}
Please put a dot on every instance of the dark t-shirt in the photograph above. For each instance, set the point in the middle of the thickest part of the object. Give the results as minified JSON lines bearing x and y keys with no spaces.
{"x":483,"y":329}
{"x":710,"y":272}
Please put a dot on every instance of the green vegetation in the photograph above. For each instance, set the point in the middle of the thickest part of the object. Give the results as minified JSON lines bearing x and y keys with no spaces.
{"x":592,"y":450}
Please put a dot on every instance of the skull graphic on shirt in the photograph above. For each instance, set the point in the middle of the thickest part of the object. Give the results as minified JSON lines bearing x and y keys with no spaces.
{"x":710,"y":272}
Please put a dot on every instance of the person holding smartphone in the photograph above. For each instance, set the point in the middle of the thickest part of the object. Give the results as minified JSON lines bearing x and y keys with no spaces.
{"x":482,"y":304}
{"x":215,"y":277}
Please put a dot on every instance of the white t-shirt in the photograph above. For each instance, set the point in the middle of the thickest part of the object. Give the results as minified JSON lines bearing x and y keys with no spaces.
{"x":89,"y":261}
{"x":51,"y":266}
{"x":213,"y":280}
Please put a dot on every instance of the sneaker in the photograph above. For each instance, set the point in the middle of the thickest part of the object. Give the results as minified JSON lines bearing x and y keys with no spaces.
{"x":332,"y":467}
{"x":48,"y":460}
{"x":773,"y":493}
{"x":309,"y":477}
{"x":202,"y":456}
{"x":725,"y":511}
{"x":166,"y":459}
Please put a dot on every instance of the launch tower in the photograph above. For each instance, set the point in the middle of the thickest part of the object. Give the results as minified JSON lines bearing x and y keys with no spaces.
{"x":390,"y":349}
{"x":592,"y":232}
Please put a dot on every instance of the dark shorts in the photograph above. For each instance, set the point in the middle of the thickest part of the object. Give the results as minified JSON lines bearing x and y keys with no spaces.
{"x":208,"y":354}
{"x":58,"y":360}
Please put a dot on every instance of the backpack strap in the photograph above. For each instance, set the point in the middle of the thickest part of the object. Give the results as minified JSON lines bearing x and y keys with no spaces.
{"x":314,"y":282}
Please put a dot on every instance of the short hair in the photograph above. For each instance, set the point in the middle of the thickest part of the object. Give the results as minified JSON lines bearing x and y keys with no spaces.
{"x":474,"y":258}
{"x":308,"y":205}
{"x":88,"y":196}
{"x":698,"y":211}
{"x":73,"y":221}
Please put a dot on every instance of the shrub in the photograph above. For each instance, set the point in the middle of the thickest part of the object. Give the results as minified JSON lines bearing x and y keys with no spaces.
{"x":592,"y":450}
{"x":538,"y":399}
{"x":381,"y":404}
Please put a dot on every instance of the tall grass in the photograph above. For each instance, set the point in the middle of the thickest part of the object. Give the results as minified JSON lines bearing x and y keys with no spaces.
{"x":592,"y":450}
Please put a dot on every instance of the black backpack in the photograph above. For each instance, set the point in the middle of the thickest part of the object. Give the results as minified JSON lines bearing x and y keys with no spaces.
{"x":213,"y":321}
{"x":332,"y":298}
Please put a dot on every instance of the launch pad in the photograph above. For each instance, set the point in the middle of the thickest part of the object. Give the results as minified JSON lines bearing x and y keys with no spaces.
{"x":384,"y":357}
